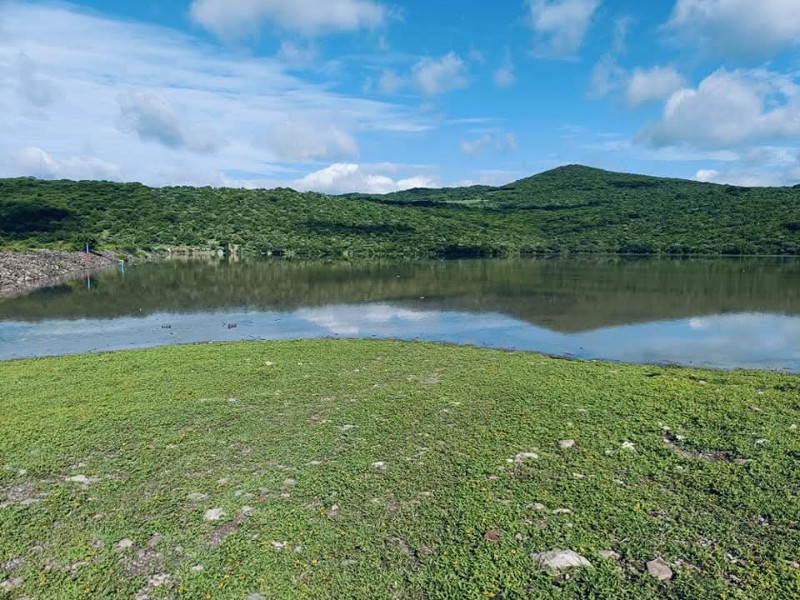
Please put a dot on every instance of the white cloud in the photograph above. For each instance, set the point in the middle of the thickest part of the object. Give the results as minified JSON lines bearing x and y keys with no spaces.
{"x":297,"y":55}
{"x":342,"y":178}
{"x":504,"y":76}
{"x":727,"y":109}
{"x":390,"y":82}
{"x":740,"y":28}
{"x":436,"y":76}
{"x":607,"y":77}
{"x":563,"y":23}
{"x":173,"y":96}
{"x":498,"y":142}
{"x":306,"y":17}
{"x":33,"y":88}
{"x":153,"y":119}
{"x":652,"y":84}
{"x":707,"y":175}
{"x":37,"y":162}
{"x":303,"y":140}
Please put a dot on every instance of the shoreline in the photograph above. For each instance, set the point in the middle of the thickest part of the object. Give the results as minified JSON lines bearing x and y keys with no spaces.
{"x":22,"y":272}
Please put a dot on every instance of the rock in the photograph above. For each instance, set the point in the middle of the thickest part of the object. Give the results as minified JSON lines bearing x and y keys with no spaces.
{"x":11,"y":584}
{"x":492,"y":535}
{"x":82,"y":479}
{"x":196,"y":497}
{"x":609,"y":554}
{"x":557,"y":561}
{"x":659,"y":569}
{"x":214,"y":514}
{"x":562,"y":511}
{"x":379,"y":465}
{"x":537,"y":506}
{"x":198,"y":569}
{"x":523,"y":456}
{"x":125,"y":544}
{"x":155,"y":540}
{"x":289,"y":483}
{"x":628,"y":446}
{"x":566,"y":444}
{"x":255,"y":597}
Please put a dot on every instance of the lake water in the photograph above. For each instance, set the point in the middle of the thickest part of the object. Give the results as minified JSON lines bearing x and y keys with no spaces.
{"x":724,"y":313}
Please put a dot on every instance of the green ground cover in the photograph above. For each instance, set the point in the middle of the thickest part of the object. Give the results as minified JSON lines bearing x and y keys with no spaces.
{"x":357,"y":469}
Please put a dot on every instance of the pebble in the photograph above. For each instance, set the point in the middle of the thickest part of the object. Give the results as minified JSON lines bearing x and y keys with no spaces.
{"x":659,"y":569}
{"x":214,"y":514}
{"x":125,"y":544}
{"x":556,"y":561}
{"x":566,"y":444}
{"x":523,"y":456}
{"x":609,"y":554}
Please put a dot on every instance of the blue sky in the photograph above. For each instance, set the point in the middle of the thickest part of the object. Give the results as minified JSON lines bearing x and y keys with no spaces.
{"x":372,"y":95}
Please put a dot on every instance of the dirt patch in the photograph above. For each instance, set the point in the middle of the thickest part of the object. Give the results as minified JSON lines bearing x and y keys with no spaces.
{"x":673,"y":443}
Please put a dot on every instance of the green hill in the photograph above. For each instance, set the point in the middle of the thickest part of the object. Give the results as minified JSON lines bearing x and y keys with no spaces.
{"x":569,"y":209}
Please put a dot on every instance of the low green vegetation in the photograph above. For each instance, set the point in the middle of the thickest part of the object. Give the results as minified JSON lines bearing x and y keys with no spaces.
{"x":357,"y":469}
{"x":568,"y":210}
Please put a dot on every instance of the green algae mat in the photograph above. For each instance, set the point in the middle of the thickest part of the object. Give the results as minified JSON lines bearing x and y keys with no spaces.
{"x":358,"y":469}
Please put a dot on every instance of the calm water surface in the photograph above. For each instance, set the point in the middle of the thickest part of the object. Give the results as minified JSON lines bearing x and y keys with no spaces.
{"x":716,"y":313}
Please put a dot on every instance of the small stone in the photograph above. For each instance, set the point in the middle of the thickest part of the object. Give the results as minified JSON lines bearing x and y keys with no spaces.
{"x":761,"y":442}
{"x":255,"y":597}
{"x":523,"y":456}
{"x":659,"y":569}
{"x":289,"y":482}
{"x":578,"y":476}
{"x":379,"y":465}
{"x":279,"y":545}
{"x":557,"y":561}
{"x":214,"y":514}
{"x":562,"y":511}
{"x":196,"y":497}
{"x":198,"y":569}
{"x":628,"y":446}
{"x":247,"y":511}
{"x":82,"y":479}
{"x":537,"y":506}
{"x":11,"y":584}
{"x":315,"y":463}
{"x":609,"y":554}
{"x":155,"y":540}
{"x":793,"y":427}
{"x":125,"y":544}
{"x":566,"y":444}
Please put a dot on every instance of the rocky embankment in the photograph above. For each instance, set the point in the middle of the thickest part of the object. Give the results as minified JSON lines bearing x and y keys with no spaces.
{"x":23,"y":271}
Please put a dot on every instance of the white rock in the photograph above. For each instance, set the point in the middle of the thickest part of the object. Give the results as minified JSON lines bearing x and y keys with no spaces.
{"x":609,"y":554}
{"x":562,"y":511}
{"x":125,"y":544}
{"x":196,"y":496}
{"x":11,"y":584}
{"x":566,"y":444}
{"x":628,"y":446}
{"x":279,"y":545}
{"x":556,"y":561}
{"x":523,"y":456}
{"x":214,"y":514}
{"x":659,"y":569}
{"x":82,"y":479}
{"x":537,"y":506}
{"x":198,"y":569}
{"x":379,"y":465}
{"x":289,"y":483}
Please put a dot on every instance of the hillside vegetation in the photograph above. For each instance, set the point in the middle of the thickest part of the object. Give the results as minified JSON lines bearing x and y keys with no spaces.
{"x":569,"y":209}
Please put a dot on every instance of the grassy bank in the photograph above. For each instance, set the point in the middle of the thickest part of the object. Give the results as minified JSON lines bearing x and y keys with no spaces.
{"x":379,"y":469}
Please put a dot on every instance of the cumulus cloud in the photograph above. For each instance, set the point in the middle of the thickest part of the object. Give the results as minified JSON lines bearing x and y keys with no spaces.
{"x":436,"y":76}
{"x":306,"y":17}
{"x":495,"y":141}
{"x":295,"y":139}
{"x":153,"y":119}
{"x":342,"y":178}
{"x":729,"y":108}
{"x":647,"y":85}
{"x":563,"y":24}
{"x":753,"y":29}
{"x":38,"y":163}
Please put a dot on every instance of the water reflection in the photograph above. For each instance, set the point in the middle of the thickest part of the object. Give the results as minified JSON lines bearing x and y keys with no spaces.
{"x":705,"y":313}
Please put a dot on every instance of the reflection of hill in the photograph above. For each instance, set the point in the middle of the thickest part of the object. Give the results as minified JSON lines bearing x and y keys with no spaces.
{"x":566,"y":296}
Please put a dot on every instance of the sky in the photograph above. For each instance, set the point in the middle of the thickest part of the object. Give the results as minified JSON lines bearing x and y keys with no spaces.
{"x":377,"y":95}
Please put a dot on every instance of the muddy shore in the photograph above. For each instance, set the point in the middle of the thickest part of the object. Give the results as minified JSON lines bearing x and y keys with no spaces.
{"x":23,"y":271}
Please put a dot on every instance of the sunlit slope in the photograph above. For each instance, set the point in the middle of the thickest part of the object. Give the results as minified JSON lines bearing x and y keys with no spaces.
{"x":569,"y":209}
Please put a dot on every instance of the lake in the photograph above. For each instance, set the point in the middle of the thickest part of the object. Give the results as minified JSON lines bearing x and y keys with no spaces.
{"x":722,"y":313}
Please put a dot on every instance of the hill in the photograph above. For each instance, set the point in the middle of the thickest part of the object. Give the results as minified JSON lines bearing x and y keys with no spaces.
{"x":569,"y":209}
